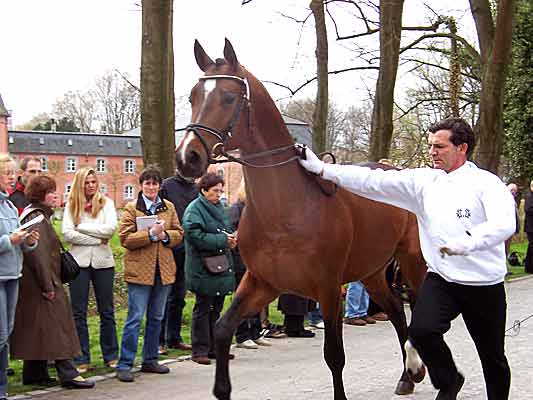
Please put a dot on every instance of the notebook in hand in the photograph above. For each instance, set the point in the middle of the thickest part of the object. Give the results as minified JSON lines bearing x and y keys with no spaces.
{"x":145,"y":222}
{"x":32,"y":224}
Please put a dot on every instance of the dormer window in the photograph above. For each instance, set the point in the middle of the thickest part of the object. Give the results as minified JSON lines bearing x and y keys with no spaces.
{"x":41,"y":141}
{"x":69,"y":142}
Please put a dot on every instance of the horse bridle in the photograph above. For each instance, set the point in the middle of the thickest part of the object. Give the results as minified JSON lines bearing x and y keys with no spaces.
{"x":224,"y":135}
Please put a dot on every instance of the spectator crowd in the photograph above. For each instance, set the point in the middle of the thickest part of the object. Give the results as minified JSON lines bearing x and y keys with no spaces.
{"x":171,"y":233}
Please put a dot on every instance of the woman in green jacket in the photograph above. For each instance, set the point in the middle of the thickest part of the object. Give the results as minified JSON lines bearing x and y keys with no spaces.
{"x":207,"y":233}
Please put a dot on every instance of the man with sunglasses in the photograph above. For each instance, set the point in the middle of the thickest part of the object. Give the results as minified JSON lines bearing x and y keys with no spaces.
{"x":29,"y":166}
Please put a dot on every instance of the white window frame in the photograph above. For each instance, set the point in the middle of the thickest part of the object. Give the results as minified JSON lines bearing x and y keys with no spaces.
{"x":68,"y":168}
{"x":102,"y":170}
{"x":68,"y":187}
{"x":126,"y":169}
{"x":103,"y":188}
{"x":127,"y":189}
{"x":44,"y":164}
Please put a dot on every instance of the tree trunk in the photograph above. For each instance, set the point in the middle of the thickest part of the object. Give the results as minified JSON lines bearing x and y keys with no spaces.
{"x":157,"y":85}
{"x":320,"y":115}
{"x":495,"y":45}
{"x":390,"y":18}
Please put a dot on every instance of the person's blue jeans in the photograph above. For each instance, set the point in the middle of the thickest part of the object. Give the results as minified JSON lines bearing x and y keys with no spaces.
{"x":141,"y":299}
{"x":9,"y":291}
{"x":356,"y":300}
{"x":315,"y":315}
{"x":102,"y":280}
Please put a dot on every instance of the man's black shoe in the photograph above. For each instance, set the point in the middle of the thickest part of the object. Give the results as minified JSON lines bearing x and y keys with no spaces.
{"x":450,"y":393}
{"x":303,"y":333}
{"x":78,"y":384}
{"x":41,"y":382}
{"x":125,"y":375}
{"x":155,"y":368}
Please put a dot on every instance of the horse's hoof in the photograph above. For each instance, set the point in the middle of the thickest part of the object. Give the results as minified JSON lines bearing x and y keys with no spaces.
{"x":419,"y":376}
{"x":404,"y":388}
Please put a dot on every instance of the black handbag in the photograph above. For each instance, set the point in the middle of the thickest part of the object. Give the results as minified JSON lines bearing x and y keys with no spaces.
{"x":70,"y":268}
{"x":216,"y":264}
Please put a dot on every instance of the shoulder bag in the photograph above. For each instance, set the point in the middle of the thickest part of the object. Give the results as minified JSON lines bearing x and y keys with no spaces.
{"x":70,"y":268}
{"x":216,"y":264}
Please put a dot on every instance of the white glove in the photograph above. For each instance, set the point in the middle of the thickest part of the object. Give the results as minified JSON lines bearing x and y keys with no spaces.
{"x":455,"y":247}
{"x":312,"y":163}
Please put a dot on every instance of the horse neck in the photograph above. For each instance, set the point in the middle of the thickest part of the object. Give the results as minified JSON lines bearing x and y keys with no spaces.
{"x":273,"y":188}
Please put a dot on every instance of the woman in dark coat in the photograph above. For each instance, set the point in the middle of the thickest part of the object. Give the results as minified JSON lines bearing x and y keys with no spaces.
{"x":207,"y":233}
{"x":44,"y":328}
{"x":528,"y":228}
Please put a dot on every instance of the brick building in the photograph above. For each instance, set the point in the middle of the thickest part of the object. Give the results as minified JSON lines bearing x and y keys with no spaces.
{"x":116,"y":158}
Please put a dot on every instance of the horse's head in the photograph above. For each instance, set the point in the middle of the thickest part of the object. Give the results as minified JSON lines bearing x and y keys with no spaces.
{"x":220,"y":111}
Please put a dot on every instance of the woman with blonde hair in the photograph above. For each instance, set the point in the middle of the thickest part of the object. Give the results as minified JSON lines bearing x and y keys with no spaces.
{"x":89,"y":221}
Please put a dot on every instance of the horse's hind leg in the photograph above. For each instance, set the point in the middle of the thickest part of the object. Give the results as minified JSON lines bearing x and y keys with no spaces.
{"x":251,"y":296}
{"x":380,"y":292}
{"x":331,"y":307}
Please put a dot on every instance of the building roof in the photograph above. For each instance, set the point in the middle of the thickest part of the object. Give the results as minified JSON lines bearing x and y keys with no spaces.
{"x":74,"y":143}
{"x":3,"y":109}
{"x":98,"y":144}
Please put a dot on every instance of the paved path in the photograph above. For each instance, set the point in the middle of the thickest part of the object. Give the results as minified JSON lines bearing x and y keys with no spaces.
{"x":294,"y":368}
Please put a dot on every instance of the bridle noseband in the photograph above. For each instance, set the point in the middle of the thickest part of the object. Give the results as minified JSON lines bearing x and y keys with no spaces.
{"x":214,"y":154}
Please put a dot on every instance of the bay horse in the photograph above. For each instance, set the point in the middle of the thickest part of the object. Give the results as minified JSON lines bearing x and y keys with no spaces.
{"x":292,"y":237}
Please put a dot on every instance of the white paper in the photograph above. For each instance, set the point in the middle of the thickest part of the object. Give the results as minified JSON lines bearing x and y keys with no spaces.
{"x":145,"y":222}
{"x":31,"y":224}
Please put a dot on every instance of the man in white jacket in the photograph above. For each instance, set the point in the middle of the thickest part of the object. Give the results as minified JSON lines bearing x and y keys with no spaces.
{"x":464,"y":214}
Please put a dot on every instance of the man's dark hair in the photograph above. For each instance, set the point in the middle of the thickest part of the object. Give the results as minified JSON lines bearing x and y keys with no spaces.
{"x":38,"y":187}
{"x":26,"y":160}
{"x":209,"y":180}
{"x":461,"y":132}
{"x":151,"y":172}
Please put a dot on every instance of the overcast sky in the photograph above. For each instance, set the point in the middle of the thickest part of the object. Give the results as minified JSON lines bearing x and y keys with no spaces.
{"x":51,"y":47}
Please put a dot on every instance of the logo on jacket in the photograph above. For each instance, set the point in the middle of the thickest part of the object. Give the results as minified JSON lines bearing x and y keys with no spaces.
{"x":460,"y":213}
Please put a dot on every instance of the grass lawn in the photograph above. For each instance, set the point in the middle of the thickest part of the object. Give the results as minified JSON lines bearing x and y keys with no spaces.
{"x":15,"y":382}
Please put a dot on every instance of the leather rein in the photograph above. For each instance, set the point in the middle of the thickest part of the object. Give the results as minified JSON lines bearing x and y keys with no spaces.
{"x":217,"y":152}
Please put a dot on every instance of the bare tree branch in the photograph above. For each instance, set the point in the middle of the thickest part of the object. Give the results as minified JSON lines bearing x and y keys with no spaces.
{"x":465,"y":43}
{"x":294,"y":91}
{"x":127,"y":80}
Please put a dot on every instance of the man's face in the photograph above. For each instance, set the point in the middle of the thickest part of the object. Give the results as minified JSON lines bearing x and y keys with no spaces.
{"x":444,"y":154}
{"x":33,"y":168}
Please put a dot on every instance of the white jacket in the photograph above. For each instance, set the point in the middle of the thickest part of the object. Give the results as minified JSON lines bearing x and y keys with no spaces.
{"x":86,"y":238}
{"x":469,"y":204}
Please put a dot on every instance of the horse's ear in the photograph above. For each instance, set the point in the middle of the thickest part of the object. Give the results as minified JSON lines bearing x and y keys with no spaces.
{"x":202,"y":59}
{"x":229,"y":54}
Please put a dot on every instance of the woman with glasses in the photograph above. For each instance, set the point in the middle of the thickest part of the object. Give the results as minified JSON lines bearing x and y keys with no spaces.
{"x":207,"y":233}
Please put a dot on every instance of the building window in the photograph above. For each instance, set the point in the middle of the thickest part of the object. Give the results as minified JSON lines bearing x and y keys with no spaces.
{"x":69,"y":142}
{"x":70,"y":162}
{"x":129,"y":192}
{"x":11,"y":140}
{"x":129,"y":166}
{"x":41,"y":141}
{"x":100,"y":143}
{"x":129,"y":144}
{"x":44,"y":164}
{"x":220,"y":173}
{"x":100,"y":165}
{"x":103,"y":188}
{"x":67,"y":191}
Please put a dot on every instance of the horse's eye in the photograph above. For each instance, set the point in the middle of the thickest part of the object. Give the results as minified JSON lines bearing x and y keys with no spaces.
{"x":228,"y":97}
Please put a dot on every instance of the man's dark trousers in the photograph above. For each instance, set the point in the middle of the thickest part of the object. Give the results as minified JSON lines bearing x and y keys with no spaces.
{"x":484,"y":312}
{"x":171,"y":324}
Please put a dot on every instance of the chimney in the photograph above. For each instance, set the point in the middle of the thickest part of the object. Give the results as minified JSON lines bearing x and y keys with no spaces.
{"x":53,"y":125}
{"x":4,"y":115}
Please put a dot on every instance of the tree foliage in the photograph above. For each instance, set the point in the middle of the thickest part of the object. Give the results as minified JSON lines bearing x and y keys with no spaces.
{"x":518,"y":149}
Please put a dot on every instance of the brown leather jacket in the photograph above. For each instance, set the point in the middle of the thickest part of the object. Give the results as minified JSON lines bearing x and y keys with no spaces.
{"x":142,"y":255}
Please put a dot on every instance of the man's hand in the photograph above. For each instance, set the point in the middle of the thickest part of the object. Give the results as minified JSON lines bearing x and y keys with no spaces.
{"x":232,"y":241}
{"x":454,"y":247}
{"x":311,"y":163}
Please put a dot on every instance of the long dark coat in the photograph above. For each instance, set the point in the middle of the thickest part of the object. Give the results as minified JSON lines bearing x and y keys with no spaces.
{"x":528,"y":211}
{"x":203,"y":222}
{"x":44,"y":329}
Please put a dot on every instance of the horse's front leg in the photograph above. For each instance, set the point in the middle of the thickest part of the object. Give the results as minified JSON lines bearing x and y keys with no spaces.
{"x":331,"y":306}
{"x":250,"y":297}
